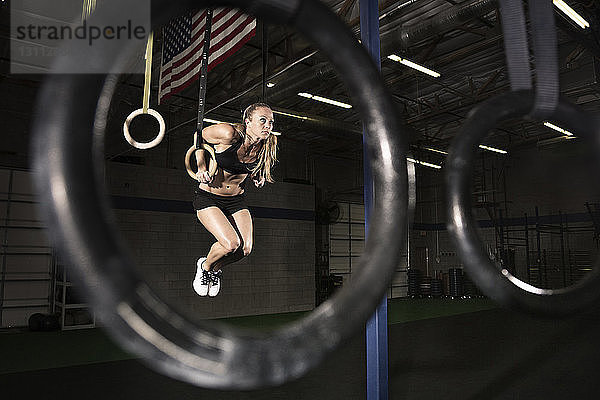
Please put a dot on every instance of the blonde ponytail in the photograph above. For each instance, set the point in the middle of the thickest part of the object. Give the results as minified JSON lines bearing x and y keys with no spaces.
{"x":267,"y":155}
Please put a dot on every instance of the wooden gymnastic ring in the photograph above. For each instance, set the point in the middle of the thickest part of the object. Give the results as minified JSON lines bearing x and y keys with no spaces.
{"x":144,"y":145}
{"x":212,"y":163}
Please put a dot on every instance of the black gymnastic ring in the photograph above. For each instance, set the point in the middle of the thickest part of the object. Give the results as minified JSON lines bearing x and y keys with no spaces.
{"x":494,"y":282}
{"x":78,"y":215}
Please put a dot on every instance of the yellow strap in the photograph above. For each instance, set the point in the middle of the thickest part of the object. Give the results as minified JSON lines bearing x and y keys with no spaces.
{"x":148,"y":74}
{"x":88,"y":9}
{"x":84,"y":12}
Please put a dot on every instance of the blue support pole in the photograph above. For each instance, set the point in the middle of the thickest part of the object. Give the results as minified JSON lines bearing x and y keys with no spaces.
{"x":377,"y":341}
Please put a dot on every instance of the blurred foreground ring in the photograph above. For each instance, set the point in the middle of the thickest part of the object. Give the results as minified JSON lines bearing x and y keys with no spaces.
{"x":70,"y":182}
{"x":493,"y":280}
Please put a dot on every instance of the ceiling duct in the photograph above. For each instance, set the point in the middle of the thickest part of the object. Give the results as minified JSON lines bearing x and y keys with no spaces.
{"x":442,"y":22}
{"x":450,"y":19}
{"x":302,"y":80}
{"x":410,"y":34}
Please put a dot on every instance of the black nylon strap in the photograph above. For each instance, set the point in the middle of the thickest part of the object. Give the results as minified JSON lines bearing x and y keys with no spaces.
{"x":515,"y":44}
{"x":203,"y":78}
{"x":265,"y":60}
{"x":541,"y":14}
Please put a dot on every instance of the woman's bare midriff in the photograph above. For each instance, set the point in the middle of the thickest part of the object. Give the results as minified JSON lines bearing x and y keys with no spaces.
{"x":225,"y":184}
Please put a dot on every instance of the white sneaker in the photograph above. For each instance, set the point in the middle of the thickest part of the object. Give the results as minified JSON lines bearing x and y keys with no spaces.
{"x":215,"y":283}
{"x":202,"y":280}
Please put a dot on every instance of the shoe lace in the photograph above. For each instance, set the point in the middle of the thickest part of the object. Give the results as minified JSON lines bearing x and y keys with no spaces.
{"x":206,"y":279}
{"x":216,"y":277}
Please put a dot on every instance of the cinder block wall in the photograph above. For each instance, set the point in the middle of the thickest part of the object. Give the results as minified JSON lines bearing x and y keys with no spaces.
{"x":154,"y":212}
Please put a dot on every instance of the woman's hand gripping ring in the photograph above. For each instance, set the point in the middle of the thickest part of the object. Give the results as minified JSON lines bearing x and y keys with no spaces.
{"x":212,"y":163}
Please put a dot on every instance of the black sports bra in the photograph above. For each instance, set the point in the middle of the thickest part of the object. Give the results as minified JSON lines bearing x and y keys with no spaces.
{"x":228,"y":161}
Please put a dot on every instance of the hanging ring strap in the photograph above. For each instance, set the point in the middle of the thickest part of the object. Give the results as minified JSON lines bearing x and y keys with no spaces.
{"x":541,"y":14}
{"x":145,"y":107}
{"x":515,"y":44}
{"x":88,"y":8}
{"x":198,"y":145}
{"x":203,"y":77}
{"x":547,"y":91}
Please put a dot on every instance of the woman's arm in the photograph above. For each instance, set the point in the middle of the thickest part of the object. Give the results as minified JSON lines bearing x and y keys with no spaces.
{"x":213,"y":135}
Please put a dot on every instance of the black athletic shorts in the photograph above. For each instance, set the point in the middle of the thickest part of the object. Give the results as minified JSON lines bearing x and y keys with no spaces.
{"x":227,"y":204}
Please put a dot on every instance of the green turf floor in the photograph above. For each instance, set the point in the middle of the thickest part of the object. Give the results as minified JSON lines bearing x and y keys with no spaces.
{"x":28,"y":351}
{"x":399,"y":310}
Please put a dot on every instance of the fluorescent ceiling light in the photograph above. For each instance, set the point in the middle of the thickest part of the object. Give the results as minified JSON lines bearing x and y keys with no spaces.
{"x":424,"y":163}
{"x":214,"y":121}
{"x":495,"y":150}
{"x":270,"y":84}
{"x":324,"y":100}
{"x":557,"y":128}
{"x":290,"y":115}
{"x":579,"y":20}
{"x":481,"y":146}
{"x":416,"y":66}
{"x":435,"y":150}
{"x":409,"y":2}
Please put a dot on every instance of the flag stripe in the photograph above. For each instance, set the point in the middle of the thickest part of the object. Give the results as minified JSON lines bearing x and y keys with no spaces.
{"x":183,"y":63}
{"x":229,"y":35}
{"x":193,"y":67}
{"x":183,"y":42}
{"x":197,"y":38}
{"x":230,"y":50}
{"x":215,"y":51}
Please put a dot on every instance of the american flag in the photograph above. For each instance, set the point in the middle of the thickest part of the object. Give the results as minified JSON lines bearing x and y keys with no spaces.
{"x":183,"y":41}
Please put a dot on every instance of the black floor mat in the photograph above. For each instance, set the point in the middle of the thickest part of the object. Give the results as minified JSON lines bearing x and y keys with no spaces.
{"x":490,"y":354}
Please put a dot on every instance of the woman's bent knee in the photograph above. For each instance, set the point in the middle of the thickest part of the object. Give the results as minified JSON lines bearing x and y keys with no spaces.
{"x":231,"y":245}
{"x":247,"y":249}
